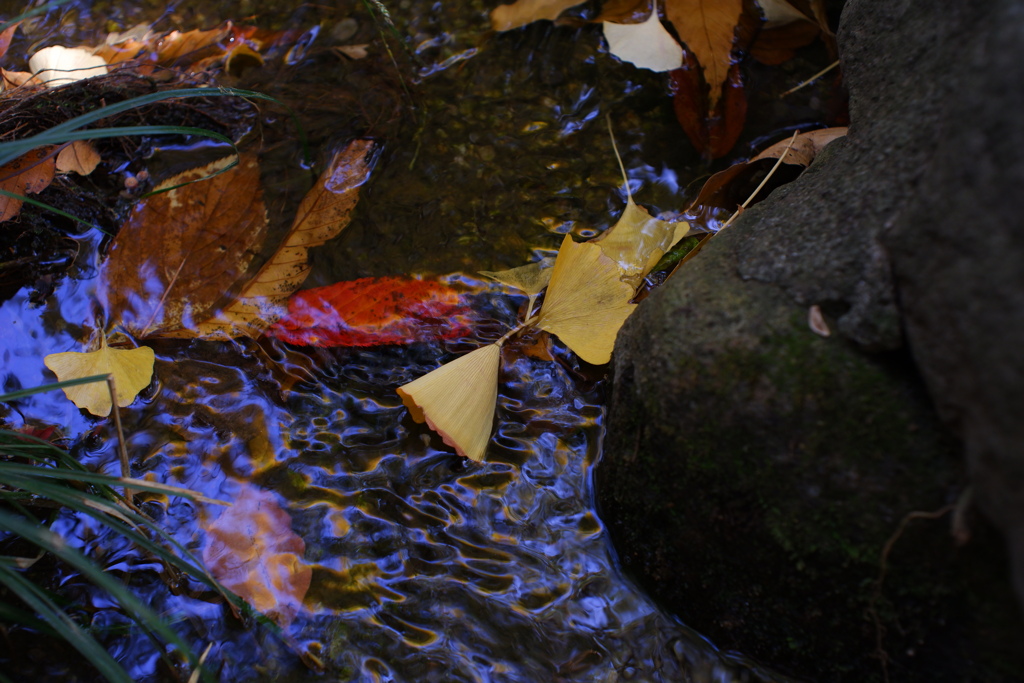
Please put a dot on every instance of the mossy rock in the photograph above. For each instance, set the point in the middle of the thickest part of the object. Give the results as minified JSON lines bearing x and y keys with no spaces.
{"x":755,"y":472}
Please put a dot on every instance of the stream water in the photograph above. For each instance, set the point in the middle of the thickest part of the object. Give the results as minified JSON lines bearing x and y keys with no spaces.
{"x":425,"y":566}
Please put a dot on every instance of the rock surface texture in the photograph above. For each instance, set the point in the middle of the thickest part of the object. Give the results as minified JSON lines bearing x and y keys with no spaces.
{"x":792,"y":496}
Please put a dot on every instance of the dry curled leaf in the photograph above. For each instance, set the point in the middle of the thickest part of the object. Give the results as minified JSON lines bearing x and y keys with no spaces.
{"x":28,"y":174}
{"x":717,"y":193}
{"x":457,"y":400}
{"x":181,"y":249}
{"x":132,"y":370}
{"x":252,"y":550}
{"x":78,"y":157}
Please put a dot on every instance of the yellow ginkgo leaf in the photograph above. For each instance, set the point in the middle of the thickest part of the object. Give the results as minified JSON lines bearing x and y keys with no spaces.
{"x":457,"y":400}
{"x":132,"y":370}
{"x":587,"y":301}
{"x":531,"y":278}
{"x":638,"y":241}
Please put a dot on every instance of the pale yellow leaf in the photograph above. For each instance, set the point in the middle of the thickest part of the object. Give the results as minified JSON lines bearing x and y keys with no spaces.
{"x":79,"y":157}
{"x":523,"y":12}
{"x":132,"y":370}
{"x":531,"y":278}
{"x":646,"y":45}
{"x":58,"y":65}
{"x":324,"y":212}
{"x":637,"y":241}
{"x":707,"y":28}
{"x":587,"y":301}
{"x":457,"y":400}
{"x":780,"y":12}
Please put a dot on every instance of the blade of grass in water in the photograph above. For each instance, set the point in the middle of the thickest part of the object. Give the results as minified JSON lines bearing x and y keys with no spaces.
{"x":54,"y":544}
{"x":35,"y":598}
{"x":28,"y":14}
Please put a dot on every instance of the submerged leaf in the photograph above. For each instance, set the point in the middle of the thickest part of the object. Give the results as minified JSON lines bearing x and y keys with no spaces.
{"x":324,"y":212}
{"x":373,"y":311}
{"x":132,"y":370}
{"x":457,"y":400}
{"x":181,"y":249}
{"x":587,"y":301}
{"x":252,"y":550}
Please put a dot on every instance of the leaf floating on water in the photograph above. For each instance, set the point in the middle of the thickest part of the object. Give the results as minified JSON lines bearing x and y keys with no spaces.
{"x":132,"y":370}
{"x":28,"y":174}
{"x":646,"y":45}
{"x":457,"y":400}
{"x":181,"y":249}
{"x":374,"y":311}
{"x":252,"y":550}
{"x":79,"y":157}
{"x":531,"y":278}
{"x":637,"y":241}
{"x":587,"y":301}
{"x":324,"y":212}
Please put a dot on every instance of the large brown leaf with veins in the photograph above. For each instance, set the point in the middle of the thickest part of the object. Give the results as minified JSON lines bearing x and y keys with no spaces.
{"x":180,"y":249}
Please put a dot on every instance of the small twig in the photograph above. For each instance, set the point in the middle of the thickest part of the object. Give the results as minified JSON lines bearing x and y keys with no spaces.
{"x":523,"y":325}
{"x":883,"y":567}
{"x":126,"y":470}
{"x":778,"y":162}
{"x":615,"y":148}
{"x":811,"y":79}
{"x":194,"y":678}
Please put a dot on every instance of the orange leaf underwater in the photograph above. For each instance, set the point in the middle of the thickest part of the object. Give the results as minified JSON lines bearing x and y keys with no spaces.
{"x":252,"y":550}
{"x":375,"y":311}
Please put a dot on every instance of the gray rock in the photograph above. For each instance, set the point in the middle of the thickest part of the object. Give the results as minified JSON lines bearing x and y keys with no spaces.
{"x":755,"y":472}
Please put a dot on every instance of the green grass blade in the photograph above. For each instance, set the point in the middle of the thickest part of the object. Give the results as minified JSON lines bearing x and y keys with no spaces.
{"x":23,"y":393}
{"x":139,"y":611}
{"x":64,"y":625}
{"x":28,"y":14}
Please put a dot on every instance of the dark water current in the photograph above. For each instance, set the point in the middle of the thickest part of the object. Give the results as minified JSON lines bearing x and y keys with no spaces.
{"x":425,"y":566}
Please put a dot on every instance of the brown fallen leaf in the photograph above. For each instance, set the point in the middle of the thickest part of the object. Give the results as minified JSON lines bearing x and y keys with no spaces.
{"x":716,"y":192}
{"x":457,"y":400}
{"x":181,"y":49}
{"x":181,"y":249}
{"x":706,"y":27}
{"x":324,"y":212}
{"x":523,"y":12}
{"x":78,"y":157}
{"x":5,"y":37}
{"x":132,"y":370}
{"x":252,"y":550}
{"x":28,"y":174}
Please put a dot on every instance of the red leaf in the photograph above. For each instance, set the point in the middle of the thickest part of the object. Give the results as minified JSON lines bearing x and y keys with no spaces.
{"x":374,"y":311}
{"x":715,"y":134}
